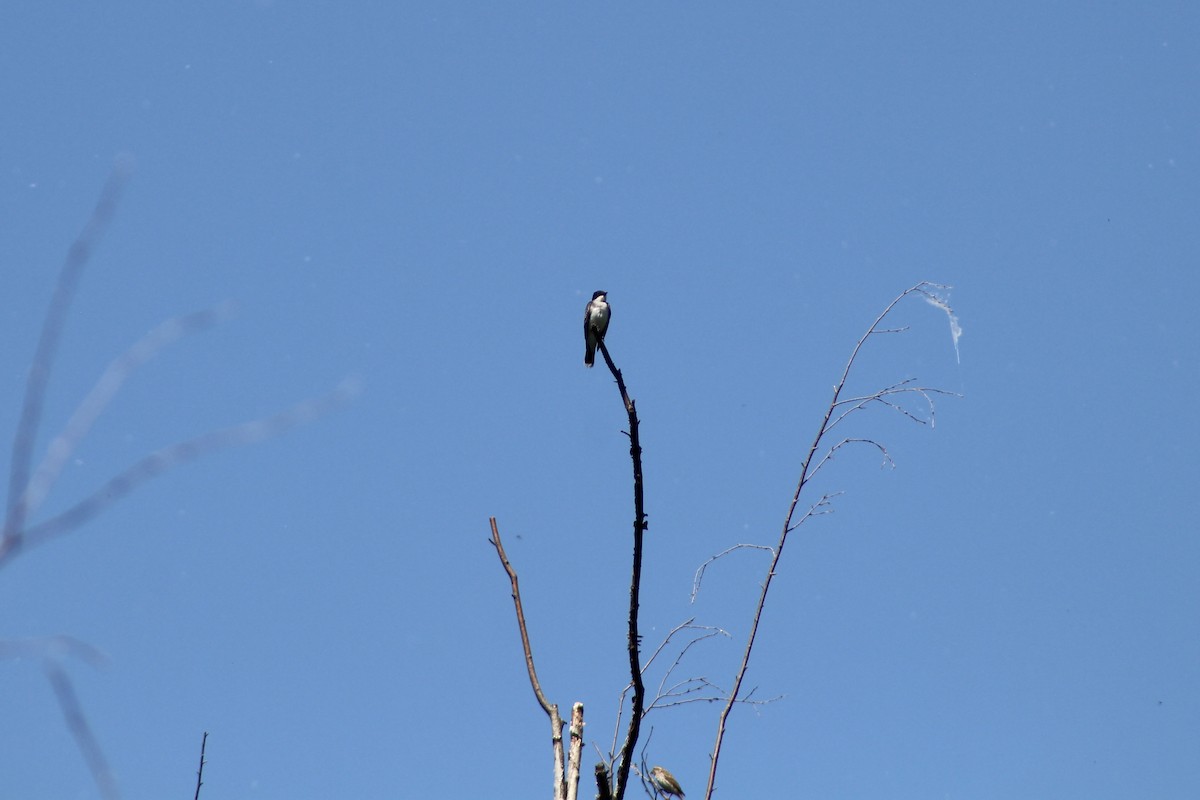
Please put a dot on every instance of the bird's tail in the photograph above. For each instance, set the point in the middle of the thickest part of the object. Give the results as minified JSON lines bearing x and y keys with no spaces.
{"x":589,"y":358}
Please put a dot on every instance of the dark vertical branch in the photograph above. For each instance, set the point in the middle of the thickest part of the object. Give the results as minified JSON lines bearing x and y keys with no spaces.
{"x":200,"y":771}
{"x":603,"y":790}
{"x":635,"y":584}
{"x":551,"y":709}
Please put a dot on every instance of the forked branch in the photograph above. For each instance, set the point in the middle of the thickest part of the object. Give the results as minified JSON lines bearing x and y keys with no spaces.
{"x":27,"y":489}
{"x":837,"y":405}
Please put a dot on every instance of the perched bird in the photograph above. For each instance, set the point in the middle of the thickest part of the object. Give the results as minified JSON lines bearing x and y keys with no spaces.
{"x":665,"y":782}
{"x":595,"y":323}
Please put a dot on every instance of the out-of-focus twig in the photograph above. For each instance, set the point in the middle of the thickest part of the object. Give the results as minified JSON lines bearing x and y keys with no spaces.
{"x":78,"y":725}
{"x":47,"y":346}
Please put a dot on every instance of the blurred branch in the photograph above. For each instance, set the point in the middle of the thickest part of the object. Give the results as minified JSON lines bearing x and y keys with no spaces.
{"x":51,"y":647}
{"x":102,"y":394}
{"x":161,"y":461}
{"x":808,"y":469}
{"x":78,"y":725}
{"x":47,"y":346}
{"x":685,"y":625}
{"x":26,"y":493}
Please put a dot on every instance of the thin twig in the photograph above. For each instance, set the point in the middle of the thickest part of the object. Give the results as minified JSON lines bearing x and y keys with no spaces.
{"x":708,"y":632}
{"x":927,"y":290}
{"x":200,"y":771}
{"x":699,"y":577}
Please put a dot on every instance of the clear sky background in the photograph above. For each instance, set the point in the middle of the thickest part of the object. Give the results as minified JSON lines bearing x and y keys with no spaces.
{"x":425,"y":195}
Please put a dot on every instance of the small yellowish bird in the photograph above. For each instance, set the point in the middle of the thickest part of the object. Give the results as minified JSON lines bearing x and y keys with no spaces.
{"x":665,"y":782}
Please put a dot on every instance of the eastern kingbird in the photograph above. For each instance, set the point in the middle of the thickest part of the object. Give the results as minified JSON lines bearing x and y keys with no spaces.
{"x":595,"y":323}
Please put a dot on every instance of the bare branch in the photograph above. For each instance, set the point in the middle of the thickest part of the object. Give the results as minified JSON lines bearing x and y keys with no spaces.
{"x":696,"y":581}
{"x":820,"y":508}
{"x":704,"y":632}
{"x":575,"y":759}
{"x":639,"y":528}
{"x":684,"y":691}
{"x":687,"y":625}
{"x":719,"y":697}
{"x":546,"y":705}
{"x":887,"y":459}
{"x":78,"y":725}
{"x":807,"y":470}
{"x":859,"y":403}
{"x":200,"y":771}
{"x":551,"y":709}
{"x":707,"y":633}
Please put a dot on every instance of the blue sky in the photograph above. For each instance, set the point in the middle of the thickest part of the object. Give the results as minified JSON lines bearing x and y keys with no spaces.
{"x":425,"y":196}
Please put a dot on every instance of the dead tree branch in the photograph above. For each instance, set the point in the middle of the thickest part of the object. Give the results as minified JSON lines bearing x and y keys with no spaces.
{"x":807,"y":470}
{"x":575,"y":757}
{"x":561,"y":790}
{"x":639,"y":528}
{"x":706,"y":633}
{"x":200,"y":771}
